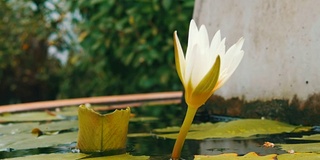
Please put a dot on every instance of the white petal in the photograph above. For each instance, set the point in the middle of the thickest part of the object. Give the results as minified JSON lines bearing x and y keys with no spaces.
{"x":215,"y":42}
{"x":234,"y":56}
{"x":199,"y":69}
{"x":193,"y":33}
{"x":222,"y":47}
{"x":180,"y":56}
{"x":203,"y":39}
{"x":190,"y":63}
{"x":218,"y":50}
{"x":192,"y":39}
{"x":234,"y":63}
{"x":231,"y":61}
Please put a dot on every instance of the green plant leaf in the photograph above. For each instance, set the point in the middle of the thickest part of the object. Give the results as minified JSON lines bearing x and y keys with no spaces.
{"x":304,"y":147}
{"x":139,"y":135}
{"x":60,"y":114}
{"x":28,"y":141}
{"x":143,"y":119}
{"x":254,"y":156}
{"x":28,"y":116}
{"x":307,"y":146}
{"x":315,"y":137}
{"x":100,"y":133}
{"x":299,"y":156}
{"x":237,"y":128}
{"x":58,"y":126}
{"x":72,"y":156}
{"x":234,"y":156}
{"x":16,"y":128}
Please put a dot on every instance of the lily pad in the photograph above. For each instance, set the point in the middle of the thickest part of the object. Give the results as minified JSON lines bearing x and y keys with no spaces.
{"x":254,"y":156}
{"x":29,"y":116}
{"x":73,"y":156}
{"x":16,"y":128}
{"x":234,"y":156}
{"x":139,"y":135}
{"x":232,"y":129}
{"x":27,"y":140}
{"x":304,"y":147}
{"x":58,"y":126}
{"x":299,"y":156}
{"x":143,"y":119}
{"x":58,"y":114}
{"x":67,"y":111}
{"x":315,"y":137}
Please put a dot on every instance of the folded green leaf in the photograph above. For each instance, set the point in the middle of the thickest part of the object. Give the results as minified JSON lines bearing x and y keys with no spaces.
{"x":101,"y":133}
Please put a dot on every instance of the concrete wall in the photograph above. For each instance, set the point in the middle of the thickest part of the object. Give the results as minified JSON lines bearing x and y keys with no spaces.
{"x":282,"y":45}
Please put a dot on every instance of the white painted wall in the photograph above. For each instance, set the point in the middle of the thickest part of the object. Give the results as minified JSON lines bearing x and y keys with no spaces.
{"x":282,"y":45}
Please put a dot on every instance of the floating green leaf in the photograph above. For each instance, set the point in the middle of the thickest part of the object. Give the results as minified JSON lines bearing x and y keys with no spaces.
{"x":311,"y":144}
{"x":16,"y":128}
{"x":254,"y":156}
{"x":139,"y":135}
{"x":234,"y":156}
{"x":143,"y":119}
{"x":58,"y":126}
{"x":58,"y":114}
{"x":68,"y":111}
{"x":314,"y":137}
{"x":29,"y":116}
{"x":72,"y":156}
{"x":28,"y":141}
{"x":299,"y":156}
{"x":304,"y":147}
{"x":238,"y":128}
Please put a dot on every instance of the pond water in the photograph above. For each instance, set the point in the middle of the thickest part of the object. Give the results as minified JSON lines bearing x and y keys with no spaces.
{"x":159,"y":148}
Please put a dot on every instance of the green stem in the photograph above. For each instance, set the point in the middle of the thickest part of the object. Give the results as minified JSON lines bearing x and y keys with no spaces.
{"x":191,"y":111}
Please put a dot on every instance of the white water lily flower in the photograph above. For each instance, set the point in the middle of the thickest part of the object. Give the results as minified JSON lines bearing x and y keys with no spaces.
{"x":206,"y":66}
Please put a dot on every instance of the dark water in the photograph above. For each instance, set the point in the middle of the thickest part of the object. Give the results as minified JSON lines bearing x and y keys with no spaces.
{"x":160,"y":149}
{"x":47,"y":150}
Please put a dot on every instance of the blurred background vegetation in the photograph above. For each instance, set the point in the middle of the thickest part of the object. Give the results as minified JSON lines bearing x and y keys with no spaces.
{"x":53,"y":49}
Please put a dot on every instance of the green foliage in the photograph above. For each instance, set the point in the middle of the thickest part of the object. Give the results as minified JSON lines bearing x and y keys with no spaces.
{"x":27,"y":73}
{"x":121,"y":47}
{"x":127,"y":47}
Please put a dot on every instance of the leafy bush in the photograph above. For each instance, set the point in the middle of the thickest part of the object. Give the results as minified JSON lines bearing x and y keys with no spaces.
{"x":127,"y":47}
{"x":27,"y":73}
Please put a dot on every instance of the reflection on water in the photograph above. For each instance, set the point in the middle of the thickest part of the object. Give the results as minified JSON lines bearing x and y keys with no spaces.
{"x":241,"y":147}
{"x":160,"y":149}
